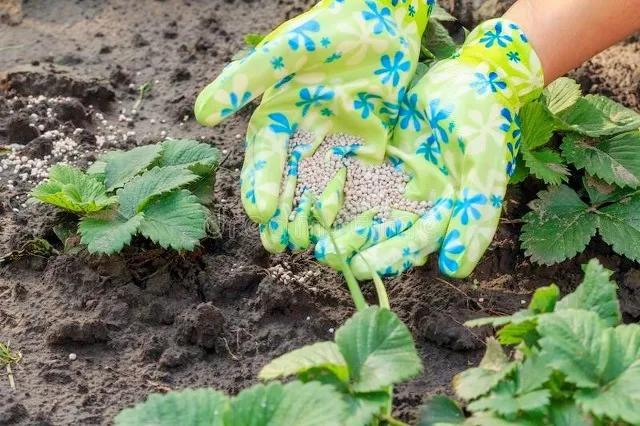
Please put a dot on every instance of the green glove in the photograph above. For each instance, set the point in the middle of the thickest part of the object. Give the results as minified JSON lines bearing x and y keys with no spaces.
{"x":462,"y":154}
{"x":329,"y":70}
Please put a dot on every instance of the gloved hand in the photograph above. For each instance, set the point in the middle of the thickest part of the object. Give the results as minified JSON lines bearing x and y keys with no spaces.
{"x":329,"y":70}
{"x":462,"y":154}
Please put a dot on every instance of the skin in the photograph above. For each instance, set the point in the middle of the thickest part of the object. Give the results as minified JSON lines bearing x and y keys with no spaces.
{"x":566,"y":33}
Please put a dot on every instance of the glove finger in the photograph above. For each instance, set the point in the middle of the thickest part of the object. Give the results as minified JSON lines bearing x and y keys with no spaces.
{"x":299,"y":228}
{"x":348,"y":240}
{"x":407,"y":249}
{"x":275,"y":233}
{"x":243,"y":80}
{"x":478,"y":204}
{"x":474,"y":222}
{"x":326,"y":208}
{"x":261,"y":176}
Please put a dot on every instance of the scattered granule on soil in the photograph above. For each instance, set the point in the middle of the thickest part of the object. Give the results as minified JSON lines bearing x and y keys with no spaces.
{"x":367,"y":186}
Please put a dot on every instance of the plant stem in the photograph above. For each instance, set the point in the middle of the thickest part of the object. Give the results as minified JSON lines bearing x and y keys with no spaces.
{"x":381,"y":291}
{"x":390,"y":420}
{"x":383,"y":299}
{"x":352,"y":282}
{"x":426,"y":52}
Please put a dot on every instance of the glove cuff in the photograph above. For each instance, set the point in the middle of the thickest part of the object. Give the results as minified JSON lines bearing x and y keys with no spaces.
{"x":502,"y":44}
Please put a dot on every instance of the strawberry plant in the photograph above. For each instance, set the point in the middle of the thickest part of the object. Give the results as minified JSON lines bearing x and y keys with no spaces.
{"x":158,"y":191}
{"x":597,"y":144}
{"x":344,"y":382}
{"x":573,"y":363}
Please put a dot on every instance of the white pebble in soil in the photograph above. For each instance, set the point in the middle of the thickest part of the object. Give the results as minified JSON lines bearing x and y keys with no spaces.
{"x":367,"y":186}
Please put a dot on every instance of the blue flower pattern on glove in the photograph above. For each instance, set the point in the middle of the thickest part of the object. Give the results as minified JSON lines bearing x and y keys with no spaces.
{"x":237,"y":101}
{"x":409,"y":114}
{"x":488,"y":83}
{"x":435,"y":115}
{"x":364,"y":103}
{"x":450,"y":246}
{"x":391,"y":69}
{"x":381,"y":17}
{"x":301,"y":35}
{"x":496,"y":36}
{"x":309,"y":99}
{"x":280,"y":124}
{"x":467,"y":206}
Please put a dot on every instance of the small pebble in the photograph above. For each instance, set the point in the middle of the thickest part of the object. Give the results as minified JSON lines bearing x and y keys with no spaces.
{"x":72,"y":357}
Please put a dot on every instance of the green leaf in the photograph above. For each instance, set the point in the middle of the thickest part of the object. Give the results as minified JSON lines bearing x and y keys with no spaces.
{"x":537,"y":125}
{"x":518,"y":317}
{"x":378,"y":348}
{"x":515,"y":333}
{"x":559,"y":226}
{"x":140,"y":190}
{"x":97,"y":170}
{"x":546,"y":165}
{"x":121,"y":166}
{"x":253,"y":39}
{"x":595,"y":116}
{"x":296,"y":403}
{"x":438,"y":41}
{"x":476,"y":382}
{"x":617,"y":396}
{"x":619,"y":225}
{"x":108,"y":234}
{"x":72,"y":190}
{"x":188,"y":153}
{"x":532,"y":373}
{"x":203,"y":188}
{"x":440,"y":14}
{"x":596,"y":293}
{"x":601,"y":192}
{"x":567,"y":414}
{"x":491,"y":419}
{"x":614,"y":160}
{"x":561,"y":94}
{"x":440,"y":411}
{"x":193,"y":407}
{"x":521,"y":326}
{"x":363,"y":407}
{"x":571,"y":341}
{"x":544,"y":299}
{"x":504,"y":401}
{"x":325,"y":355}
{"x":176,"y":220}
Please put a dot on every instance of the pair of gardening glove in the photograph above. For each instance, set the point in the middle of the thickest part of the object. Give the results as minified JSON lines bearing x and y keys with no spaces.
{"x":344,"y":67}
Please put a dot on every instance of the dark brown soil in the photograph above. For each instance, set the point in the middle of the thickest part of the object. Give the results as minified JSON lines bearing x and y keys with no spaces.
{"x":148,"y":321}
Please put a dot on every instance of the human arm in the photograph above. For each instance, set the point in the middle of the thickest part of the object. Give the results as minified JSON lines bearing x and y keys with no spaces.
{"x":566,"y":33}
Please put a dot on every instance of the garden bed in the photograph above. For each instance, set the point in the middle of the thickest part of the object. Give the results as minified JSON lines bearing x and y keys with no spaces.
{"x":147,"y":321}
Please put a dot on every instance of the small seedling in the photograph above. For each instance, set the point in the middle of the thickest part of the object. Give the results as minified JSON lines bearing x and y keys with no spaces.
{"x":253,"y":39}
{"x":34,"y":247}
{"x":158,"y":191}
{"x":143,"y":91}
{"x":9,"y":357}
